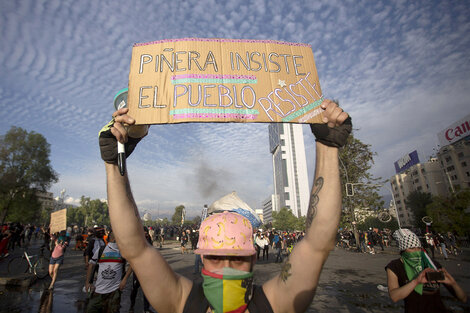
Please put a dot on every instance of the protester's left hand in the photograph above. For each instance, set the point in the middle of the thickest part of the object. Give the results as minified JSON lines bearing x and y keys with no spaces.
{"x":449,"y":280}
{"x":337,"y":127}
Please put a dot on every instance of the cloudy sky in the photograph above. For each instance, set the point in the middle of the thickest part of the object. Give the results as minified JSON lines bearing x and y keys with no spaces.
{"x":400,"y":68}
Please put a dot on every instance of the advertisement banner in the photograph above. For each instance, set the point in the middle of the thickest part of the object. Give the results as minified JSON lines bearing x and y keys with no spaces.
{"x":406,"y":162}
{"x":455,"y":132}
{"x":223,"y":80}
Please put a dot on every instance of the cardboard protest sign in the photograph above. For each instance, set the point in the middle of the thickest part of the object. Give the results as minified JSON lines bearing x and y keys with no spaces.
{"x":58,"y":221}
{"x":223,"y":80}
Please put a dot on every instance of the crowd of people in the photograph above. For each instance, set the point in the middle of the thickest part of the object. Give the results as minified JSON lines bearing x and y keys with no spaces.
{"x":445,"y":244}
{"x":228,"y":245}
{"x":17,"y":235}
{"x":107,"y":274}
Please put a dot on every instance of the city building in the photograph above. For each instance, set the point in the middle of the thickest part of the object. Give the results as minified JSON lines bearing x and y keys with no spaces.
{"x":455,"y":163}
{"x":286,"y":142}
{"x":259,"y":212}
{"x":268,"y":206}
{"x":46,"y":199}
{"x":442,"y":175}
{"x":423,"y":177}
{"x":454,"y":155}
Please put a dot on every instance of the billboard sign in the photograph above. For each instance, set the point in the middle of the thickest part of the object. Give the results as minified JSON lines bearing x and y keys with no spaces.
{"x":455,"y":132}
{"x":406,"y":162}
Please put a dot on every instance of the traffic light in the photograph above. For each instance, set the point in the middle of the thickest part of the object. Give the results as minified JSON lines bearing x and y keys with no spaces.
{"x":349,"y":189}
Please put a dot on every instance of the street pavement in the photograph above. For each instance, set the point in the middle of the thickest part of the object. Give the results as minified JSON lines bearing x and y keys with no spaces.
{"x":350,"y":282}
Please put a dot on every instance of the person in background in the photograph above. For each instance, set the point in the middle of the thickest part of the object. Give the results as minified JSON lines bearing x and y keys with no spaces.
{"x":6,"y":235}
{"x":110,"y":281}
{"x":184,"y":241}
{"x":407,"y":277}
{"x":57,"y":256}
{"x":136,"y":283}
{"x":278,"y":246}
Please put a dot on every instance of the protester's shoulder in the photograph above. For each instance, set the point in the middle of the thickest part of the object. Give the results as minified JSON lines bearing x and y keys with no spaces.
{"x":394,"y":265}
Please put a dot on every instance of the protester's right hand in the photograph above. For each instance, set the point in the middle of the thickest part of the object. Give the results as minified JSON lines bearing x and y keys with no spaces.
{"x":88,"y":287}
{"x":421,"y":279}
{"x":115,"y":131}
{"x":119,"y":131}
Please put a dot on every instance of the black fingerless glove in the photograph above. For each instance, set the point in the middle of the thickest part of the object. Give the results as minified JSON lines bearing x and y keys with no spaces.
{"x":333,"y":137}
{"x":108,"y":144}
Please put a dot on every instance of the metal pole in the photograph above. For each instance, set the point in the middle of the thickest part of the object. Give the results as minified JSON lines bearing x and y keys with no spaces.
{"x":353,"y":216}
{"x":394,"y":204}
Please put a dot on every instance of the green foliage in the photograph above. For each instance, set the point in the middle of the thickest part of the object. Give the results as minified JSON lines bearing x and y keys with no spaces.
{"x":76,"y":216}
{"x":286,"y":220}
{"x":149,"y":223}
{"x":301,"y":222}
{"x":24,"y":167}
{"x":417,"y":202}
{"x":176,"y":218}
{"x":164,"y":222}
{"x":25,"y":209}
{"x":90,"y":212}
{"x":356,"y":160}
{"x":451,"y":213}
{"x":196,"y":220}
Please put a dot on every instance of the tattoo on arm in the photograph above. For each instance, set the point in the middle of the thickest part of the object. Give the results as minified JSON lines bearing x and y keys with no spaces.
{"x":285,"y":271}
{"x":312,"y":207}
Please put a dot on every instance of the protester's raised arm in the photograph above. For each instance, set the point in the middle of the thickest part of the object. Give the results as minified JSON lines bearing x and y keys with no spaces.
{"x":294,"y":288}
{"x":150,"y":267}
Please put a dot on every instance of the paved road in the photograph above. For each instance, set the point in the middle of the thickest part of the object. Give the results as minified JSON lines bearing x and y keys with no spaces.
{"x":348,"y":283}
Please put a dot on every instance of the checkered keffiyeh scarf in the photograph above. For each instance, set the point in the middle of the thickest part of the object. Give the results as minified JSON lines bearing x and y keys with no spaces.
{"x":406,"y":239}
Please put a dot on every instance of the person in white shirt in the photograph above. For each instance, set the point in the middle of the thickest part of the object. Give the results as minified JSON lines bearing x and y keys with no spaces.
{"x":110,"y":281}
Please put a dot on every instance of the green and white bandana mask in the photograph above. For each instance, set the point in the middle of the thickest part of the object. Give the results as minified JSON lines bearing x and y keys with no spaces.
{"x":415,"y":263}
{"x":228,"y":290}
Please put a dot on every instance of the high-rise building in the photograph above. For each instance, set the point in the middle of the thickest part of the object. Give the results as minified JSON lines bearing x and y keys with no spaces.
{"x":286,"y":143}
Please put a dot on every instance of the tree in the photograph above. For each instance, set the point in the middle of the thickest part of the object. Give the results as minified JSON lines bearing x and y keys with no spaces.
{"x":285,"y":220}
{"x":449,"y":213}
{"x":176,"y":218}
{"x":417,"y":202}
{"x":356,"y":160}
{"x":95,"y":211}
{"x":197,"y":220}
{"x":25,"y":208}
{"x":24,"y":167}
{"x":76,"y":216}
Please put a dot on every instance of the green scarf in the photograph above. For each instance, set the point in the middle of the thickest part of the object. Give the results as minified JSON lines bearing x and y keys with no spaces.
{"x":415,"y":263}
{"x":229,"y":290}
